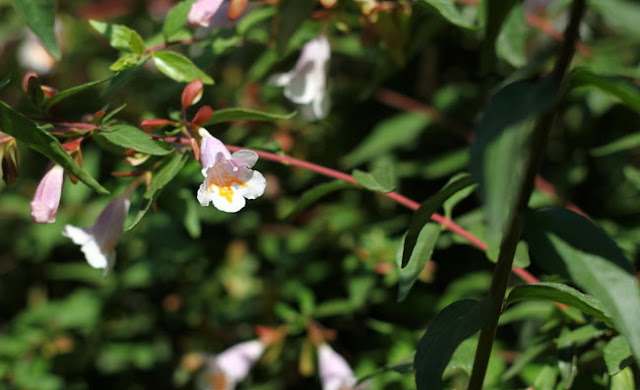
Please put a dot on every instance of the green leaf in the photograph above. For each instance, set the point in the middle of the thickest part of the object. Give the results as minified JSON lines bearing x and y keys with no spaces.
{"x":617,"y":355}
{"x":423,"y":249}
{"x":561,"y":293}
{"x":497,"y":11}
{"x":579,"y":335}
{"x":291,"y":15}
{"x":40,"y":16}
{"x":169,"y":168}
{"x":447,"y":330}
{"x":379,"y":180}
{"x":400,"y":130}
{"x":511,"y":43}
{"x":27,"y":131}
{"x":625,"y":143}
{"x":176,"y":19}
{"x":500,"y":150}
{"x":623,"y":15}
{"x":5,"y":81}
{"x":623,"y":380}
{"x":423,"y":215}
{"x":178,"y":67}
{"x":72,"y":91}
{"x":570,"y":245}
{"x":311,"y":196}
{"x":125,"y":62}
{"x":243,"y":114}
{"x":622,"y":88}
{"x":130,"y":137}
{"x":448,"y":10}
{"x":120,"y":37}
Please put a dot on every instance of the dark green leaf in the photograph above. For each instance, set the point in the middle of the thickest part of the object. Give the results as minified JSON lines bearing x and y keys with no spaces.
{"x":311,"y":196}
{"x":621,"y":88}
{"x":423,"y":215}
{"x":291,"y":15}
{"x":176,"y":19}
{"x":25,"y":130}
{"x":400,"y":130}
{"x":120,"y":37}
{"x":71,"y":91}
{"x":130,"y":137}
{"x":561,"y":293}
{"x":625,"y":143}
{"x":570,"y":245}
{"x":497,"y":11}
{"x":254,"y":17}
{"x":450,"y":11}
{"x":500,"y":149}
{"x":617,"y":355}
{"x":178,"y":67}
{"x":380,"y":179}
{"x":422,"y":250}
{"x":5,"y":81}
{"x":170,"y":167}
{"x":447,"y":330}
{"x":40,"y":16}
{"x":243,"y":114}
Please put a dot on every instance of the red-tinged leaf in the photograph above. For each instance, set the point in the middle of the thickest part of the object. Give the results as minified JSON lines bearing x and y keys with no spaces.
{"x":192,"y":93}
{"x":149,"y":125}
{"x":203,"y":115}
{"x":236,"y":8}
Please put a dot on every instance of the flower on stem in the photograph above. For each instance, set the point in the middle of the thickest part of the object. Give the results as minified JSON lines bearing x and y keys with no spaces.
{"x":306,"y":83}
{"x":335,"y":373}
{"x":8,"y":158}
{"x":216,"y":13}
{"x":228,"y":177}
{"x":46,"y":200}
{"x":98,"y":242}
{"x":225,"y":370}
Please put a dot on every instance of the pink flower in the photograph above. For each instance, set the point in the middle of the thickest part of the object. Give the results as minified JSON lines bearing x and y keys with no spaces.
{"x":98,"y":242}
{"x":226,"y":370}
{"x":306,"y":83}
{"x":46,"y":200}
{"x":335,"y":373}
{"x":229,"y":181}
{"x":203,"y":11}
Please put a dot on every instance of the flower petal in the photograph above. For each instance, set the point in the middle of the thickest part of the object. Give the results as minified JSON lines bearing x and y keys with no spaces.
{"x":255,"y":187}
{"x":47,"y":197}
{"x":335,"y":372}
{"x":238,"y":360}
{"x":210,"y":148}
{"x":202,"y":11}
{"x":247,"y":158}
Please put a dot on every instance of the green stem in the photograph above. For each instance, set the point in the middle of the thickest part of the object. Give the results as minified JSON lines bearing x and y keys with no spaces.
{"x":512,"y":235}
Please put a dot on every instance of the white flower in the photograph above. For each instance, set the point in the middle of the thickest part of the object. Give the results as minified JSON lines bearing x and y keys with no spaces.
{"x":46,"y":200}
{"x":226,"y":370}
{"x":33,"y":56}
{"x":98,"y":242}
{"x":228,"y":177}
{"x":306,"y":83}
{"x":335,"y":373}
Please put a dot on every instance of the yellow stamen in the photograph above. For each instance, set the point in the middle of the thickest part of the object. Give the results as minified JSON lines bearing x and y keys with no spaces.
{"x":224,"y":182}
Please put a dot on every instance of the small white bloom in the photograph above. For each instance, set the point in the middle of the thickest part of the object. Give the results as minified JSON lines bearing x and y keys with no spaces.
{"x":226,"y":370}
{"x":98,"y":242}
{"x":335,"y":373}
{"x":306,"y":83}
{"x":33,"y":56}
{"x":228,"y":177}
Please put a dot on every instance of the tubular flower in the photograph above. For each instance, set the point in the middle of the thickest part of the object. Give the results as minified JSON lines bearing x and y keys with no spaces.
{"x":306,"y":83}
{"x":335,"y":373}
{"x":203,"y":11}
{"x":98,"y":242}
{"x":46,"y":200}
{"x":226,"y":370}
{"x":8,"y":158}
{"x":228,"y":177}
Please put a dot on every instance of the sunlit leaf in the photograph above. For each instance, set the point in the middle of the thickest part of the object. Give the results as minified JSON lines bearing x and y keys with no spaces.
{"x":130,"y":137}
{"x":379,"y":180}
{"x":120,"y":37}
{"x":450,"y":11}
{"x":617,"y":355}
{"x":178,"y":67}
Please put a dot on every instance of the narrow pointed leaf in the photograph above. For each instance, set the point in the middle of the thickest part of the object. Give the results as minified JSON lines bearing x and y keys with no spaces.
{"x":72,"y":91}
{"x":178,"y":67}
{"x":561,"y":293}
{"x":40,"y":16}
{"x":622,"y":88}
{"x":422,"y":251}
{"x":570,"y":245}
{"x":243,"y":114}
{"x":170,"y":167}
{"x":176,"y":19}
{"x":447,"y":330}
{"x":120,"y":37}
{"x":130,"y":137}
{"x":379,"y":180}
{"x":423,"y":215}
{"x":496,"y":13}
{"x":624,"y":143}
{"x":27,"y":131}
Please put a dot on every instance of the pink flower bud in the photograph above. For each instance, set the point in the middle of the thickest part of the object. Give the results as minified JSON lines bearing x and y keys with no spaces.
{"x":335,"y":373}
{"x":192,"y":93}
{"x":202,"y":11}
{"x":46,"y":200}
{"x":231,"y":366}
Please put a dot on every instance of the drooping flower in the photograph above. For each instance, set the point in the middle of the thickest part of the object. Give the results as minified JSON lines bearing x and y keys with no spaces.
{"x":229,"y":178}
{"x":46,"y":200}
{"x":335,"y":373}
{"x":306,"y":83}
{"x":98,"y":242}
{"x":8,"y":158}
{"x":225,"y":370}
{"x":216,"y":13}
{"x":202,"y":11}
